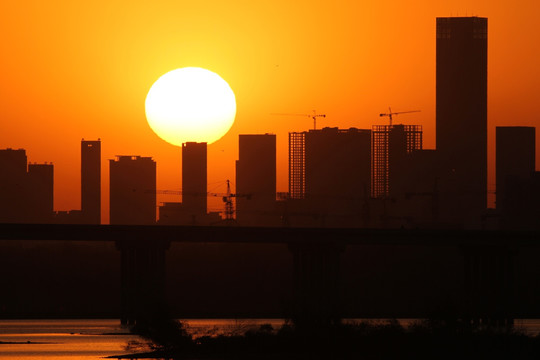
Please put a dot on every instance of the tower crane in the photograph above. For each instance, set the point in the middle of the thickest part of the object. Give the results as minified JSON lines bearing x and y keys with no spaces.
{"x":390,"y":113}
{"x":227,"y":198}
{"x":314,"y":116}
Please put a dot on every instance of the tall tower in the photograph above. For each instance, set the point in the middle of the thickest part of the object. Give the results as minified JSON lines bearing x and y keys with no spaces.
{"x":13,"y":185}
{"x":515,"y":159}
{"x":132,"y":190}
{"x":194,"y":178}
{"x":329,"y":169}
{"x":256,"y":180}
{"x":91,"y":181}
{"x":40,"y":193}
{"x":461,"y":113}
{"x":297,"y":165}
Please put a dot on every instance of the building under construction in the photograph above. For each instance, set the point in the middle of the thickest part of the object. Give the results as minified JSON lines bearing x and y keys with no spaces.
{"x":297,"y":165}
{"x":330,"y":170}
{"x":390,"y":145}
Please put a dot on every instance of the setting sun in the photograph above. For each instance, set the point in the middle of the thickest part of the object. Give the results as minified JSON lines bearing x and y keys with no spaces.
{"x":190,"y":104}
{"x":279,"y":179}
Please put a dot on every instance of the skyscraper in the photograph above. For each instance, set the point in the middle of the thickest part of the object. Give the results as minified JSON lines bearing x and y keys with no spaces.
{"x":26,"y":190}
{"x":461,"y":115}
{"x":256,"y":180}
{"x":515,"y":157}
{"x":132,"y":190}
{"x":13,"y":181}
{"x":194,"y":178}
{"x":91,"y":181}
{"x":40,"y":193}
{"x":518,"y":190}
{"x":330,"y":169}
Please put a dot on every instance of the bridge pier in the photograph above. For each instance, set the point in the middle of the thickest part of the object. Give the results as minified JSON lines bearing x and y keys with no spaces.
{"x":142,"y":279}
{"x":316,"y":285}
{"x":489,"y":285}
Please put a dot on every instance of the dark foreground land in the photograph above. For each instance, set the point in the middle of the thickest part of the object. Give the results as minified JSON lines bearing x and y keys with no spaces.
{"x":424,"y":340}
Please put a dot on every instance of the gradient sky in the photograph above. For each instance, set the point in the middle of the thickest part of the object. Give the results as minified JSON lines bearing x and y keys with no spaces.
{"x":82,"y":69}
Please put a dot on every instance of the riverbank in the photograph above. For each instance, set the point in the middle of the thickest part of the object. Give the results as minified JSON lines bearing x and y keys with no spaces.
{"x":363,"y":340}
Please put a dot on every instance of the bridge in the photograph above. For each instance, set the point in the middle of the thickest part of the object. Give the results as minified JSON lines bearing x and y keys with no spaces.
{"x":488,"y":258}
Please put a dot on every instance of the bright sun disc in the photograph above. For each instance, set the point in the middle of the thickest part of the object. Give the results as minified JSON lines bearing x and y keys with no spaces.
{"x":190,"y":104}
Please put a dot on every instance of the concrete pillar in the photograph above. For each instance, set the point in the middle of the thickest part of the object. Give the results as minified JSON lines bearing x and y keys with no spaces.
{"x":489,"y":285}
{"x":316,"y":284}
{"x":142,"y":279}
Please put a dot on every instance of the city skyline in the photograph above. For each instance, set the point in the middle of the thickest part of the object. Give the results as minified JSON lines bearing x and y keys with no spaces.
{"x":327,"y":165}
{"x":123,"y":127}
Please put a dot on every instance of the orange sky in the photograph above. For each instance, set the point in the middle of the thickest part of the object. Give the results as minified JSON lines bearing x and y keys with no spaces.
{"x":73,"y":69}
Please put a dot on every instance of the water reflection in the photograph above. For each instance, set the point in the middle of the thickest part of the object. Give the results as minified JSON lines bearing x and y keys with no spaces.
{"x":95,"y":339}
{"x":62,"y":339}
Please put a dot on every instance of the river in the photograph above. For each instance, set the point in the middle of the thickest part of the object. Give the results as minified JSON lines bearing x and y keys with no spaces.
{"x":95,"y":339}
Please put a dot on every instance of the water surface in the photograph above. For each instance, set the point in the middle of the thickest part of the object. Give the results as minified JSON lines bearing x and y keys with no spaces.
{"x":95,"y":339}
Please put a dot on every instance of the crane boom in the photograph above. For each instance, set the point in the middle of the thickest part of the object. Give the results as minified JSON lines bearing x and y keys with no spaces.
{"x":208,"y":194}
{"x":390,"y":113}
{"x":227,"y":197}
{"x":314,"y":116}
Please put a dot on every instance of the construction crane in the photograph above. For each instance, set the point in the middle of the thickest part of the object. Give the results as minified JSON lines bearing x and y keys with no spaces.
{"x":227,"y":197}
{"x":314,"y":116}
{"x":227,"y":200}
{"x":390,"y":113}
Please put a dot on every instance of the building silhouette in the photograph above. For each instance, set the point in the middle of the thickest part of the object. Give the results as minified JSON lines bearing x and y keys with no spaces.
{"x":517,"y":184}
{"x":132,"y":190}
{"x":13,"y":178}
{"x":461,"y":116}
{"x":170,"y":213}
{"x":174,"y":213}
{"x":193,"y":208}
{"x":390,"y":145}
{"x":297,"y":165}
{"x":515,"y":157}
{"x":329,"y":170}
{"x":416,"y":194}
{"x":26,"y":190}
{"x":520,"y":208}
{"x":194,"y":178}
{"x":256,"y":180}
{"x":40,"y":193}
{"x":91,"y":181}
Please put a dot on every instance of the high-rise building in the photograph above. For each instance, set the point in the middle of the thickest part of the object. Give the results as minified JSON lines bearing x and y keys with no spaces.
{"x":461,"y":115}
{"x":515,"y":157}
{"x":518,"y":190}
{"x":193,"y":208}
{"x":91,"y":181}
{"x":13,"y":185}
{"x":256,"y":180}
{"x":418,"y":188}
{"x":194,"y":178}
{"x":132,"y":190}
{"x":297,"y":165}
{"x":330,"y":169}
{"x":40,"y":204}
{"x":26,"y":190}
{"x":390,"y":145}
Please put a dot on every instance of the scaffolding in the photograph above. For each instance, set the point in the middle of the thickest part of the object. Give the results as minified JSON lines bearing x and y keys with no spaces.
{"x":297,"y":165}
{"x":380,"y":146}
